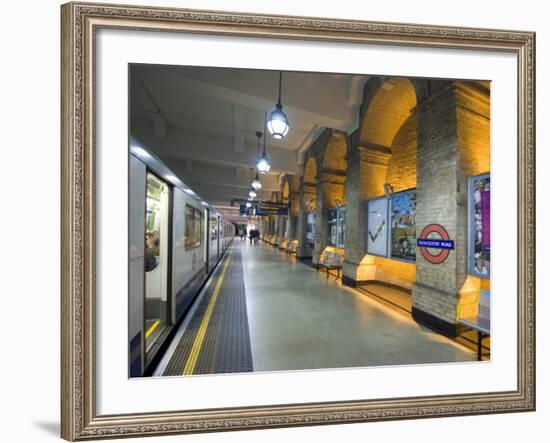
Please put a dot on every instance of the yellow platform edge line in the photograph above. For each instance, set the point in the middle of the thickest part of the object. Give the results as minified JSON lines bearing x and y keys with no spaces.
{"x":197,"y":344}
{"x":152,"y":328}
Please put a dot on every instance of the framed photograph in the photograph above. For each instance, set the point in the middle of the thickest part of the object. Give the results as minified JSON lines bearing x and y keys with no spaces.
{"x":187,"y":306}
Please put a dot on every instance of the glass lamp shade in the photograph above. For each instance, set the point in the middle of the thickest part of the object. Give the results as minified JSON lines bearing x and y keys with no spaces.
{"x":278,"y":122}
{"x":263,"y":165}
{"x":256,"y":183}
{"x":252,"y":193}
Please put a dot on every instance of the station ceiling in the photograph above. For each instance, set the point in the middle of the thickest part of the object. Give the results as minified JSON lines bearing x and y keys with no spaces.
{"x":202,"y":122}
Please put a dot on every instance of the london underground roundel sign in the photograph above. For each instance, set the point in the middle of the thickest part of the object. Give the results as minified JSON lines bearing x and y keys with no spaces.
{"x":440,"y":242}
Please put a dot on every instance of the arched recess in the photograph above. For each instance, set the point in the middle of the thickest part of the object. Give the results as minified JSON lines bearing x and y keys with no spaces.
{"x":332,"y":181}
{"x":334,"y":170}
{"x":309,"y":200}
{"x":294,"y":185}
{"x":388,"y":140}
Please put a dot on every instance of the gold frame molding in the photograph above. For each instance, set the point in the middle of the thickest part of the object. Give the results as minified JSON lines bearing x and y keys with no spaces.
{"x":80,"y":21}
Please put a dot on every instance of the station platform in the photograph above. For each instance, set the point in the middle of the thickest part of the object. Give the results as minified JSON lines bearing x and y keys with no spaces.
{"x":263,"y":310}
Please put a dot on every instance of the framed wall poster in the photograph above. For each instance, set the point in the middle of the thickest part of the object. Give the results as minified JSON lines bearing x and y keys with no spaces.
{"x":310,"y":227}
{"x":341,"y":230}
{"x":377,"y":226}
{"x":479,"y":226}
{"x":99,"y":43}
{"x":332,"y":226}
{"x":403,"y":226}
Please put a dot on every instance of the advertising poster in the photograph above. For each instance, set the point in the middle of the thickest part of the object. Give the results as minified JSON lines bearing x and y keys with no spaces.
{"x":403,"y":225}
{"x":480,"y":204}
{"x":341,"y":230}
{"x":377,"y":227}
{"x":332,"y":222}
{"x":310,"y":227}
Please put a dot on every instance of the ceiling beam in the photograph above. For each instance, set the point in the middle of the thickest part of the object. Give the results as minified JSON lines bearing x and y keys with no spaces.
{"x":212,"y":173}
{"x":184,"y":84}
{"x":182,"y":144}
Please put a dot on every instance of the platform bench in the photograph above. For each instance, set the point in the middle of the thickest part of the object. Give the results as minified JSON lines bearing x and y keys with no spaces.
{"x":331,"y":261}
{"x":481,"y":323}
{"x":292,"y":247}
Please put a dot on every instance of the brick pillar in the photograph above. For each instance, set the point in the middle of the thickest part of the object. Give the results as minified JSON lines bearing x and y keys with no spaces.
{"x":321,"y":219}
{"x":282,"y":231}
{"x":272,"y":221}
{"x":294,"y":206}
{"x":291,"y":230}
{"x":364,"y":180}
{"x":355,"y":216}
{"x":441,"y":199}
{"x":303,"y":250}
{"x":280,"y":235}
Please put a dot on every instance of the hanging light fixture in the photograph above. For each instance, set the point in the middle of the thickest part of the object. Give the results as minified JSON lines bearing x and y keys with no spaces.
{"x":263,"y":164}
{"x":278,"y":122}
{"x":252,"y":193}
{"x":256,"y":183}
{"x":248,"y":204}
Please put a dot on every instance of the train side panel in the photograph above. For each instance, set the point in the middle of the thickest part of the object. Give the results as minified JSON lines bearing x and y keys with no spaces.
{"x":188,"y":270}
{"x":136,"y":218}
{"x":212,"y":236}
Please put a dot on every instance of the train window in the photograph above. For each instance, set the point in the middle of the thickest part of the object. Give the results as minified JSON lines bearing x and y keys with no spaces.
{"x":153,"y":217}
{"x":193,"y":227}
{"x":213,"y":229}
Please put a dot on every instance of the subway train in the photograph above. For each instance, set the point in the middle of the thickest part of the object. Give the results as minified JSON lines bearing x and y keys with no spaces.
{"x":175,"y":242}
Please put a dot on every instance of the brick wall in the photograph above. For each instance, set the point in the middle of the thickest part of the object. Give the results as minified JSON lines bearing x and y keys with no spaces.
{"x":401,"y":172}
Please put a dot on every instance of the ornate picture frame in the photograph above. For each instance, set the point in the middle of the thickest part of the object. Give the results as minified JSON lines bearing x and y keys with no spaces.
{"x":80,"y":22}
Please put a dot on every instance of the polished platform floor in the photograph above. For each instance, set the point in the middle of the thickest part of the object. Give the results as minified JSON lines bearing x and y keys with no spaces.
{"x":271,"y":312}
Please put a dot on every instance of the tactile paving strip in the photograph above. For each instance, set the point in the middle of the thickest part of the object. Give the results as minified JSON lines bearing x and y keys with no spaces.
{"x":226,"y":344}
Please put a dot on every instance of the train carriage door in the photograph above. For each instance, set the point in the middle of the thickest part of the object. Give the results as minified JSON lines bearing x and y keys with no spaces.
{"x":207,"y":245}
{"x":218,"y":235}
{"x":157,"y":219}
